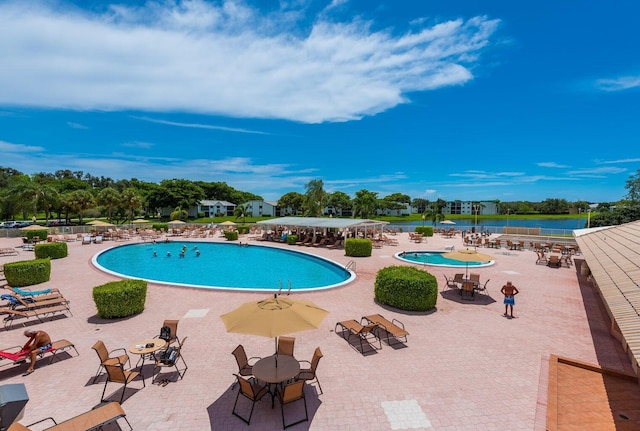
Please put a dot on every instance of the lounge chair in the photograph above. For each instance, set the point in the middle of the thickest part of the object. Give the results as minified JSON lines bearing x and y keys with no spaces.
{"x":8,"y":251}
{"x":86,"y":240}
{"x":336,"y":244}
{"x":38,"y":313}
{"x":91,"y":420}
{"x":393,"y":328}
{"x":365,"y":333}
{"x":20,"y":356}
{"x":17,"y":302}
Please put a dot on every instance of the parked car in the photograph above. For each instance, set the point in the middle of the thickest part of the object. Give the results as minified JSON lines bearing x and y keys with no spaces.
{"x":8,"y":224}
{"x":60,"y":223}
{"x":23,"y":224}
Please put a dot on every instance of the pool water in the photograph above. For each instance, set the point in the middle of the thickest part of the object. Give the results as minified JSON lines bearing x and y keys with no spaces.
{"x":223,"y":266}
{"x":436,"y":258}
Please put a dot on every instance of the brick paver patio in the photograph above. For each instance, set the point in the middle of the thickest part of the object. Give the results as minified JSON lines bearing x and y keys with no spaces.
{"x":465,"y":366}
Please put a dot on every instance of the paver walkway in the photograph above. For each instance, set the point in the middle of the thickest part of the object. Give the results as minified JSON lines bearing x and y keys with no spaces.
{"x":465,"y":366}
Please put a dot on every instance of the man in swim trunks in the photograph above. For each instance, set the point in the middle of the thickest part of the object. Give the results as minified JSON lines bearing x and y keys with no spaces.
{"x":39,"y":342}
{"x":509,"y":291}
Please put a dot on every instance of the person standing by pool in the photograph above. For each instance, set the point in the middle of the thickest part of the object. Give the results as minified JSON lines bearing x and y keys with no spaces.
{"x":509,"y":291}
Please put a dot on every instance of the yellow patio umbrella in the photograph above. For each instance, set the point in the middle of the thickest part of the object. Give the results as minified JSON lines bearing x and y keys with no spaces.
{"x":468,"y":255}
{"x":34,"y":227}
{"x":227,"y":223}
{"x":273,"y":317}
{"x":177,"y":222}
{"x":100,"y":223}
{"x":141,"y":221}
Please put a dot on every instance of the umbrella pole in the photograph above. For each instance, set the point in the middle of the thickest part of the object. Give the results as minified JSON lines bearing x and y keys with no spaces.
{"x":276,"y":351}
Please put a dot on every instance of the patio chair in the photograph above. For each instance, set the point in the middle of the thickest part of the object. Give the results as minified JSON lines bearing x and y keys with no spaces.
{"x":285,"y":345}
{"x":169,"y":358}
{"x":363,"y":332}
{"x":252,"y":391}
{"x":469,"y":288}
{"x":106,"y":357}
{"x":554,"y":262}
{"x":482,"y":288}
{"x":309,"y":374}
{"x":117,"y":374}
{"x":245,"y":368}
{"x":449,"y":283}
{"x":475,"y":278}
{"x":290,"y":394}
{"x":173,"y":332}
{"x":542,"y":258}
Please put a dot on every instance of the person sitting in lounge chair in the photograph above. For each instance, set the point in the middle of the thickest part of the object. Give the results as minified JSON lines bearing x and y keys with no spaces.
{"x":39,"y":342}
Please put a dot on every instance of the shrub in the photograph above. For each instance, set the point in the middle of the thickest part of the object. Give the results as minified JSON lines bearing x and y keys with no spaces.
{"x":356,"y":247}
{"x":292,"y":239}
{"x":244,"y":229}
{"x":406,"y":288}
{"x":54,"y":250}
{"x":158,"y":226}
{"x":42,"y":234}
{"x":120,"y":298}
{"x":425,"y":230}
{"x":231,"y":235}
{"x":27,"y":272}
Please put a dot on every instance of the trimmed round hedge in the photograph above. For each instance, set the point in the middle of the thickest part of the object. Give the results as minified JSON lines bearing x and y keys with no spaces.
{"x":120,"y":298}
{"x":27,"y":272}
{"x":358,"y":247}
{"x":54,"y":250}
{"x":406,"y":288}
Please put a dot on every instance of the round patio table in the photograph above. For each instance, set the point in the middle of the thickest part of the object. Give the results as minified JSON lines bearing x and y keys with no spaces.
{"x":140,"y":348}
{"x":266,"y":371}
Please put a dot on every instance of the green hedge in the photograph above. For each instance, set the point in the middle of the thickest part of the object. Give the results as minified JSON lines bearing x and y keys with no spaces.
{"x":424,"y":230}
{"x":159,"y":226}
{"x":42,"y":234}
{"x":120,"y":298}
{"x":406,"y":288}
{"x":27,"y":272}
{"x":292,"y":239}
{"x":356,"y":247}
{"x":231,"y":235}
{"x":54,"y":250}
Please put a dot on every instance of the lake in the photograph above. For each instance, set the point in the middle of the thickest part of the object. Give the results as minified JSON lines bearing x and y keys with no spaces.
{"x":547,"y":226}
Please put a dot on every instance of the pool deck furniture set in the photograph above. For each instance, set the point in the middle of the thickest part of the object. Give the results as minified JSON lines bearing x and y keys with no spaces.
{"x":371,"y":330}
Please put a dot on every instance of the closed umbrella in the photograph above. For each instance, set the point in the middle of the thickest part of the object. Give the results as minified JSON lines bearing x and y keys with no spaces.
{"x":273,"y":317}
{"x":468,"y":255}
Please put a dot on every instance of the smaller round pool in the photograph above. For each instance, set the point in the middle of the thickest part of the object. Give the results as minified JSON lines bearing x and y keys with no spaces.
{"x":436,"y":258}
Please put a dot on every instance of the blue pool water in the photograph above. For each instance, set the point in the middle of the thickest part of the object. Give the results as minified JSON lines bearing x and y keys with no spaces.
{"x":435,"y":258}
{"x":223,"y":266}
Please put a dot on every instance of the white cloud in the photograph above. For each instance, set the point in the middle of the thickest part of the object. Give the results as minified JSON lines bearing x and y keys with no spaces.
{"x":618,"y":84}
{"x":138,"y":144}
{"x":76,"y":125}
{"x":551,"y":165}
{"x":199,"y":126}
{"x":7,"y":147}
{"x":629,"y":160}
{"x":225,"y":58}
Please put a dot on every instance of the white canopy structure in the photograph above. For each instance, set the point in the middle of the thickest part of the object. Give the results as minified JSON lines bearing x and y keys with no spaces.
{"x":325,"y":222}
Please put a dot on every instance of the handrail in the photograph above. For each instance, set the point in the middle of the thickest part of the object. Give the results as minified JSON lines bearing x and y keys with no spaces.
{"x":351,"y":265}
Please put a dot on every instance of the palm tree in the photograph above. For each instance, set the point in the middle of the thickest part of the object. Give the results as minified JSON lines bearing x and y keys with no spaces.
{"x":434,"y":213}
{"x":109,"y":198}
{"x":365,"y":203}
{"x":131,"y":201}
{"x":79,"y":201}
{"x":315,"y":198}
{"x":242,"y":211}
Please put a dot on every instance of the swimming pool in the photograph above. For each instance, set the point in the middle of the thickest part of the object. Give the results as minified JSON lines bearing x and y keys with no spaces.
{"x":435,"y":258}
{"x":223,"y":266}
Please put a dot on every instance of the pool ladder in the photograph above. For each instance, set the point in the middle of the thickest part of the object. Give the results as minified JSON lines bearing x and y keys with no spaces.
{"x":280,"y":287}
{"x":350,"y":266}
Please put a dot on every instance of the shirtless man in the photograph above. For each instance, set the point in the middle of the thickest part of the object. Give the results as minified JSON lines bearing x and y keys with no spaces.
{"x":39,"y":342}
{"x":509,"y":291}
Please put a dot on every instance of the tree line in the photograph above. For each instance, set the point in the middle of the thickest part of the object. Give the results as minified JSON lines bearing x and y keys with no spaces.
{"x":67,"y":194}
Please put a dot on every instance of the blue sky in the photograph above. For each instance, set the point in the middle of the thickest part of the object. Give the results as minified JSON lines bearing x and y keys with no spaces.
{"x":471,"y":100}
